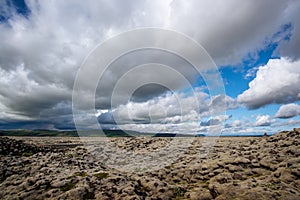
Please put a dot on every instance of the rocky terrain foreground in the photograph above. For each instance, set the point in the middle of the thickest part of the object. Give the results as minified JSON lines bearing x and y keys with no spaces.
{"x":234,"y":168}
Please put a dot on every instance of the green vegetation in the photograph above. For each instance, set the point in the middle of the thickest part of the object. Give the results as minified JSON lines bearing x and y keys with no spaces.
{"x":272,"y":186}
{"x":89,"y":195}
{"x":68,"y":186}
{"x":82,"y":174}
{"x":72,"y":155}
{"x":27,"y":154}
{"x":179,"y":192}
{"x":256,"y":175}
{"x":170,"y":166}
{"x":101,"y":175}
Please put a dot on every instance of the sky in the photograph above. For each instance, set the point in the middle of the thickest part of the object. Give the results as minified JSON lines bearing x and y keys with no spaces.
{"x":254,"y":44}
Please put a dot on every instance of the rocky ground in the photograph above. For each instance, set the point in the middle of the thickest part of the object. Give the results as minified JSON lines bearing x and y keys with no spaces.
{"x":234,"y":168}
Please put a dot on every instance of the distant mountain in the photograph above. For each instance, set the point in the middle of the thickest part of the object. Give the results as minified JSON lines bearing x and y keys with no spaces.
{"x":172,"y":135}
{"x":87,"y":133}
{"x":38,"y":133}
{"x":68,"y":133}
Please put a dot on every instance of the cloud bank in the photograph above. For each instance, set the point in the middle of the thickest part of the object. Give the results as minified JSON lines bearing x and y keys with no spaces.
{"x":42,"y":48}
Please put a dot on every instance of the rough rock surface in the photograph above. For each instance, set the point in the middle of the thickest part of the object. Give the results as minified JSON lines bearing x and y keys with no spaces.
{"x":235,"y":168}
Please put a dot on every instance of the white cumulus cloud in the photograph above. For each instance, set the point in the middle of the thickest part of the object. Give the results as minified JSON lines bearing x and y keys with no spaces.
{"x":263,"y":120}
{"x":276,"y":82}
{"x":288,"y":111}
